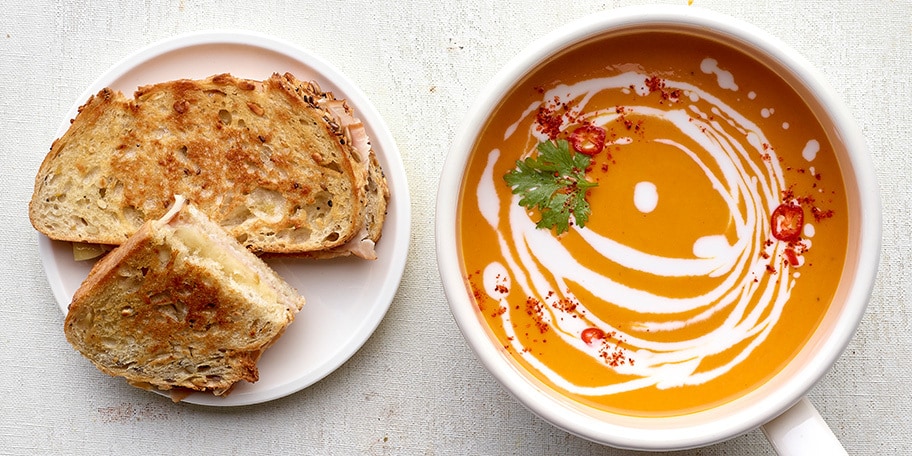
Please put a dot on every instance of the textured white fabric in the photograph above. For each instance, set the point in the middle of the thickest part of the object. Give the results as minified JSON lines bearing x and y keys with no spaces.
{"x":415,"y":387}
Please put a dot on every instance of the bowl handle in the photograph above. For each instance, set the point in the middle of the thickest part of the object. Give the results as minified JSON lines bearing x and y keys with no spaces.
{"x":801,"y":430}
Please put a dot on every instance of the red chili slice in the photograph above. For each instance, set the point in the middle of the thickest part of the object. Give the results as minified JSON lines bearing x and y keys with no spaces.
{"x":588,"y":139}
{"x":589,"y":335}
{"x":791,"y":256}
{"x":787,"y":222}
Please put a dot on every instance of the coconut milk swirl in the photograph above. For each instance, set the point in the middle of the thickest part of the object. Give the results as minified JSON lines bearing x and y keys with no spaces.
{"x":750,"y":299}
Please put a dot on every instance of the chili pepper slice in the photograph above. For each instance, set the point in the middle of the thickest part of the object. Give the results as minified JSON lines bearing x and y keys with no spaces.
{"x":787,"y":222}
{"x":588,"y":139}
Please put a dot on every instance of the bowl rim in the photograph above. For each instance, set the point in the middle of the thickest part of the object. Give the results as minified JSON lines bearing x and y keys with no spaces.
{"x":674,"y":433}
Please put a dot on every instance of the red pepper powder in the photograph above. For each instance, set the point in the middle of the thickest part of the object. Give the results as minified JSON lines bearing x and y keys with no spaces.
{"x":533,"y":309}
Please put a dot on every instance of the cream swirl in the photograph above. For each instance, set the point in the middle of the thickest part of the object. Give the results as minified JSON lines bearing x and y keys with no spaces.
{"x":733,"y":154}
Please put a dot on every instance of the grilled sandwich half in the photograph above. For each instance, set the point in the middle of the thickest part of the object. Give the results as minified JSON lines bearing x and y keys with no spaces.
{"x":180,"y":306}
{"x":282,"y":166}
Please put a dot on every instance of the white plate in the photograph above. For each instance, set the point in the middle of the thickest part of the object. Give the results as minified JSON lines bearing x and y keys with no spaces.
{"x":346,"y":298}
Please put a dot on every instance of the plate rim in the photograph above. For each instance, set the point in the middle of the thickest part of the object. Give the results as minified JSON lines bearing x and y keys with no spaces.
{"x":389,"y":155}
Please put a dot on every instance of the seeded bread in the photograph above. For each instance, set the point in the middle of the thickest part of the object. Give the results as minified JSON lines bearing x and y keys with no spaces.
{"x":264,"y":160}
{"x":180,"y":305}
{"x":374,"y":185}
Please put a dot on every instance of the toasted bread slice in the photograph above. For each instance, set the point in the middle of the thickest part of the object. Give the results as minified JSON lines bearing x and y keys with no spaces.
{"x":373,"y":213}
{"x":181,"y":305}
{"x":272,"y":167}
{"x":375,"y":187}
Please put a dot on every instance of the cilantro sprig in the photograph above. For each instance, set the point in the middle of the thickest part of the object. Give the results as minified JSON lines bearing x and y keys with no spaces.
{"x":553,"y":182}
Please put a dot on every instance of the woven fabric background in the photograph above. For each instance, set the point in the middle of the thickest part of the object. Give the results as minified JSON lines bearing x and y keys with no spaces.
{"x":415,"y":388}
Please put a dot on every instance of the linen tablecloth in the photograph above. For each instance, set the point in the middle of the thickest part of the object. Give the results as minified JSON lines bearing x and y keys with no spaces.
{"x":415,"y":387}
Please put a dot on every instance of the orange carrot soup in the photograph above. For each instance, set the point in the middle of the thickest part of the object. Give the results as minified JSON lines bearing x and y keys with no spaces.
{"x":652,"y":224}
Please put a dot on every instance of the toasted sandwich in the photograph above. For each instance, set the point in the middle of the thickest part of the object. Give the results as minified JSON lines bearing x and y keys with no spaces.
{"x":375,"y":187}
{"x":276,"y":163}
{"x":180,"y":306}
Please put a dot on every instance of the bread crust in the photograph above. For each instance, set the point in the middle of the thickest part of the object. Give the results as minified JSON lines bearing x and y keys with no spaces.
{"x":264,"y":160}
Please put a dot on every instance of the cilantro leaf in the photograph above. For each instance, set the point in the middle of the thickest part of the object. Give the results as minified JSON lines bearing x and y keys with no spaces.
{"x":553,"y":182}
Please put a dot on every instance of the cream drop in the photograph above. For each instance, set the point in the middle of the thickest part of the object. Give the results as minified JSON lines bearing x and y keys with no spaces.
{"x":645,"y":197}
{"x":810,"y":150}
{"x":724,"y":78}
{"x":809,"y":230}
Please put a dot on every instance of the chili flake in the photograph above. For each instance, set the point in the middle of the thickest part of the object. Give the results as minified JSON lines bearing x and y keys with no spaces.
{"x":534,"y":309}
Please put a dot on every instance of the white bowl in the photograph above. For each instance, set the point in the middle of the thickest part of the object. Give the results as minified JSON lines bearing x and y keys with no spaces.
{"x":786,"y":388}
